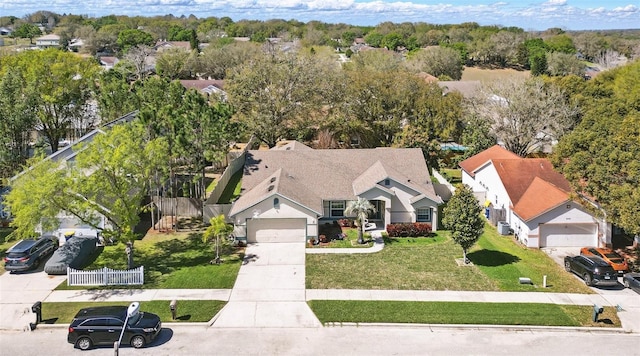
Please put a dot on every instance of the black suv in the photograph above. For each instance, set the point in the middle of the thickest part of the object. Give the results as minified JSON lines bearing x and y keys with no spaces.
{"x":593,"y":270}
{"x":103,"y":325}
{"x":28,"y":254}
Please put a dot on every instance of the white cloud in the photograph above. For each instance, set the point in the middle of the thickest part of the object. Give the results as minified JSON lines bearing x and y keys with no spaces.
{"x":555,"y":3}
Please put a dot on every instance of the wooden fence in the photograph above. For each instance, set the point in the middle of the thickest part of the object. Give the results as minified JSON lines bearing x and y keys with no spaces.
{"x":105,"y":277}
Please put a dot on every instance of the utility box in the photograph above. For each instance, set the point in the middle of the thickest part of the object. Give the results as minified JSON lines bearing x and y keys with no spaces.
{"x":503,"y":228}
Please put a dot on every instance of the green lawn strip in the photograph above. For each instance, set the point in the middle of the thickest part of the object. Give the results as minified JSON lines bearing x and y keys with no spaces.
{"x":406,"y":264}
{"x":187,"y":310}
{"x":504,"y":261}
{"x":173,"y":262}
{"x":232,"y":190}
{"x":459,"y":313}
{"x":452,"y":175}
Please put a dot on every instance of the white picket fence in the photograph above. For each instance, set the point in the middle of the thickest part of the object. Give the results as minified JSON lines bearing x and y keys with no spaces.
{"x":105,"y":277}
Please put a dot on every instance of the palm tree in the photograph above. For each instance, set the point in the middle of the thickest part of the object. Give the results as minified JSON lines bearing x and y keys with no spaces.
{"x":217,"y":229}
{"x":361,"y":209}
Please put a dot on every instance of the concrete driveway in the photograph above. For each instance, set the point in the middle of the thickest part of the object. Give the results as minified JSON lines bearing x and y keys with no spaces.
{"x":18,"y":292}
{"x":270,"y":289}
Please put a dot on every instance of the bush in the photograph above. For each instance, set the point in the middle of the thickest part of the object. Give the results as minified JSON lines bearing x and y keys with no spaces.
{"x":409,"y":229}
{"x":346,"y":223}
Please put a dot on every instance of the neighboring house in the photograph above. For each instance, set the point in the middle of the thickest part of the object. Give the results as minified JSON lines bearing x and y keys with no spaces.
{"x":206,"y":87}
{"x":165,"y":45}
{"x":48,"y":41}
{"x":4,"y":31}
{"x":288,"y":191}
{"x":535,"y":200}
{"x":66,"y":156}
{"x":108,"y":62}
{"x":75,"y":44}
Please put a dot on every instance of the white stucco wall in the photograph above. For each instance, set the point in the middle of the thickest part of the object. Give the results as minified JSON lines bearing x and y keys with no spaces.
{"x":570,"y":213}
{"x":266,"y":210}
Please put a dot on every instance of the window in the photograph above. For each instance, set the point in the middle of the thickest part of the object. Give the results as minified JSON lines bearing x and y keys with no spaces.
{"x":387,"y":182}
{"x":276,"y":203}
{"x":423,"y":215}
{"x":337,"y":208}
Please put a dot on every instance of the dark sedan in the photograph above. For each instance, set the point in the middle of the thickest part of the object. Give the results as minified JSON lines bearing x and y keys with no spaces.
{"x":593,"y":270}
{"x":632,"y":281}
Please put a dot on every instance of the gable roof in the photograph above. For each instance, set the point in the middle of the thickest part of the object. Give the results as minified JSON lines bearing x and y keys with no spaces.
{"x":540,"y":197}
{"x":471,"y":164}
{"x":517,"y":176}
{"x":308,"y":176}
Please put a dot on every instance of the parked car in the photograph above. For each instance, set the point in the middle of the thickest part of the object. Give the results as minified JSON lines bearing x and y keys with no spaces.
{"x":28,"y":254}
{"x":615,"y":260}
{"x":75,"y":253}
{"x":103,"y":325}
{"x":592,"y":269}
{"x":632,"y":280}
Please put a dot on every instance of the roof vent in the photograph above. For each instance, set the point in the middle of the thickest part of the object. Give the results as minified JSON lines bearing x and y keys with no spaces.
{"x":273,"y":179}
{"x":270,"y":188}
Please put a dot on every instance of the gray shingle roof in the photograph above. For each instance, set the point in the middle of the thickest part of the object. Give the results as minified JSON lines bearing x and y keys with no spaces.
{"x":309,"y":176}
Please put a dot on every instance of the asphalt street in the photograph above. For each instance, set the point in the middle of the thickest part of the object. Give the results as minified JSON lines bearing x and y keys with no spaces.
{"x":352,"y":340}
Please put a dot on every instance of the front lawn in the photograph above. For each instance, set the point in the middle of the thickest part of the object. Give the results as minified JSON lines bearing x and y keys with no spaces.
{"x":187,"y":310}
{"x":5,"y":244}
{"x":504,"y":261}
{"x":354,"y":311}
{"x":174,"y":261}
{"x":430,"y":264}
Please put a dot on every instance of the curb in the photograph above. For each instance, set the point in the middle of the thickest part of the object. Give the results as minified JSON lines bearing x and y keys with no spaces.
{"x":164,"y":325}
{"x":530,"y":328}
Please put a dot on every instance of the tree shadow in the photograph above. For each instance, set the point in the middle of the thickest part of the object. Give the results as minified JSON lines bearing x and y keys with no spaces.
{"x":492,"y":258}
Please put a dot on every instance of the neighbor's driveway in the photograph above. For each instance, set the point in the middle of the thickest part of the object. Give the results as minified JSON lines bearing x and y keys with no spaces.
{"x":19,"y":291}
{"x":270,"y":289}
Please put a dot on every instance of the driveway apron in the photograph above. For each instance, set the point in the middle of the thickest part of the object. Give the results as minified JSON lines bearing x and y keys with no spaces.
{"x":270,"y":289}
{"x":18,"y":292}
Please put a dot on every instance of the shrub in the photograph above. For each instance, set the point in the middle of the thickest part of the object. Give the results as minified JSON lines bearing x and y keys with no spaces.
{"x":346,"y":222}
{"x":409,"y":229}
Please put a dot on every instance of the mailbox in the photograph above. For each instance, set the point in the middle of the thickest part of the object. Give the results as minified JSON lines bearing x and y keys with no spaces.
{"x":174,"y":308}
{"x":597,"y":310}
{"x":37,"y":309}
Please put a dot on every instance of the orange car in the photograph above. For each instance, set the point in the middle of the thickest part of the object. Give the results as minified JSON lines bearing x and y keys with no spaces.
{"x":616,"y":261}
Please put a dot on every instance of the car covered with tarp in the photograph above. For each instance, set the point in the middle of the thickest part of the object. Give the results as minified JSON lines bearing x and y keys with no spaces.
{"x":75,"y":253}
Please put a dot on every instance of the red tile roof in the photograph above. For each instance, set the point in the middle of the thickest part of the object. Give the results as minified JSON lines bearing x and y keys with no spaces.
{"x":518,"y":174}
{"x":471,"y":164}
{"x":540,"y":197}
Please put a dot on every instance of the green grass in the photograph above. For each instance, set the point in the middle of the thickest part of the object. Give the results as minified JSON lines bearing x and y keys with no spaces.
{"x":187,"y":310}
{"x":174,"y":261}
{"x":460,"y":313}
{"x":406,"y":264}
{"x":504,"y":261}
{"x":430,"y":264}
{"x":232,"y":190}
{"x":454,"y":176}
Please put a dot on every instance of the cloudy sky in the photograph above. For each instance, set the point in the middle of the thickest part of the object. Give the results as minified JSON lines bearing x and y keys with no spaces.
{"x":527,"y":14}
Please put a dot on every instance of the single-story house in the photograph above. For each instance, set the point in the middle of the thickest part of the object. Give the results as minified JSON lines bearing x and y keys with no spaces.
{"x":288,"y":191}
{"x":48,"y":41}
{"x":533,"y":199}
{"x":206,"y":86}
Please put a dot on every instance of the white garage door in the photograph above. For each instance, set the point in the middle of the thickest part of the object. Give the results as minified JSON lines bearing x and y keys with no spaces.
{"x":276,"y":230}
{"x":568,"y":235}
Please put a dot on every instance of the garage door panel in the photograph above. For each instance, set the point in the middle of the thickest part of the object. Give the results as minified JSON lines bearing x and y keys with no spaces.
{"x":568,"y":235}
{"x":277,"y":230}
